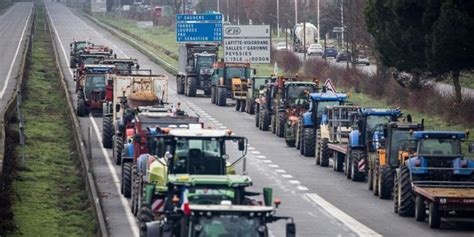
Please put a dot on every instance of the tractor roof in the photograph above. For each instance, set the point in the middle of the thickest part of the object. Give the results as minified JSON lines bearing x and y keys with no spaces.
{"x":231,"y":208}
{"x":328,"y":96}
{"x":200,"y":133}
{"x":439,"y":134}
{"x":217,"y":180}
{"x":119,"y":60}
{"x":96,"y":68}
{"x":303,"y":83}
{"x":380,"y":112}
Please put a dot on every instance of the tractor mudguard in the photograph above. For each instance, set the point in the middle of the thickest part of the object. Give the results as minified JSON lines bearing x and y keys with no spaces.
{"x":458,"y":166}
{"x":308,"y":120}
{"x":411,"y":164}
{"x":354,"y":139}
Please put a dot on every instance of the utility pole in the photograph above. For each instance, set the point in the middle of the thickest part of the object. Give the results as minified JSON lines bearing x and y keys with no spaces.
{"x":228,"y":11}
{"x":342,"y":22}
{"x":296,"y":12}
{"x":304,"y":39}
{"x":278,"y":18}
{"x":218,"y":7}
{"x":319,"y":31}
{"x":120,"y":7}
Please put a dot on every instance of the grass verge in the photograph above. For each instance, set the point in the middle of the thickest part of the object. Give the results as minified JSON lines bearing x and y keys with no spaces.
{"x":50,"y":197}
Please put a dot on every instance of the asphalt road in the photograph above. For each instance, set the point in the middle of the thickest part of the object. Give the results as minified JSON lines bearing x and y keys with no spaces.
{"x":13,"y":30}
{"x":323,"y":203}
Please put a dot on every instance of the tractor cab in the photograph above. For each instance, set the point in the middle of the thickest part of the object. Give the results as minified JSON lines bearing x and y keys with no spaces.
{"x":225,"y":72}
{"x":78,"y":46}
{"x":91,"y":88}
{"x":203,"y":63}
{"x":296,"y":93}
{"x":123,"y":66}
{"x":317,"y":104}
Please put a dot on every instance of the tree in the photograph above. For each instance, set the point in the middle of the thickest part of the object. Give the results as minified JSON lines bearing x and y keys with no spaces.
{"x":450,"y":45}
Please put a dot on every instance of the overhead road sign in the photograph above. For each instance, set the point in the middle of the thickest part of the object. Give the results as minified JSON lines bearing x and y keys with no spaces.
{"x":199,"y":28}
{"x":247,"y":43}
{"x":198,"y":17}
{"x":99,"y":6}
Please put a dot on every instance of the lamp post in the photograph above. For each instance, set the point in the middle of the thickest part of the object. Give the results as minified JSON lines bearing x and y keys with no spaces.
{"x":278,"y":18}
{"x":319,"y":31}
{"x":296,"y":12}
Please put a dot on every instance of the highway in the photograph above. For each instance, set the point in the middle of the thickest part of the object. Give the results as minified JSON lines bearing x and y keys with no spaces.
{"x":323,"y":202}
{"x":13,"y":31}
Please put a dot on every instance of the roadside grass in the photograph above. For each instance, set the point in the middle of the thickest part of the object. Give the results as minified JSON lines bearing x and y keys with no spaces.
{"x":49,"y":199}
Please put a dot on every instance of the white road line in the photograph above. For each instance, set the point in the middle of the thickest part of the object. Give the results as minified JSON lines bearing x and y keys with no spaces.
{"x":7,"y":79}
{"x":287,"y":176}
{"x":273,"y":166}
{"x":303,"y":188}
{"x":255,"y":152}
{"x":262,"y":157}
{"x":294,"y":182}
{"x":280,"y":171}
{"x":359,"y":228}
{"x":251,"y":148}
{"x":266,"y":161}
{"x":223,"y":127}
{"x":110,"y":166}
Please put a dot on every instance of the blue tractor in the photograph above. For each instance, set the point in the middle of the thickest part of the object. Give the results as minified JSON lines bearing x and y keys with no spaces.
{"x":309,"y":122}
{"x":364,"y":139}
{"x":435,"y":177}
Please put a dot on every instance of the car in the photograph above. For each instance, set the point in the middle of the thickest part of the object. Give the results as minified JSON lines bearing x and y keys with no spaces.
{"x":330,"y":52}
{"x":362,"y":59}
{"x":315,"y":49}
{"x":281,"y":46}
{"x":344,"y":55}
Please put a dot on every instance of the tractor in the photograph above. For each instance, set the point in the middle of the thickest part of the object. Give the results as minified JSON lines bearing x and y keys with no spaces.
{"x":123,"y":66}
{"x":229,"y":80}
{"x":307,"y":125}
{"x":360,"y":140}
{"x":76,"y":48}
{"x":383,"y":162}
{"x":435,"y":177}
{"x":91,"y":87}
{"x":253,"y":87}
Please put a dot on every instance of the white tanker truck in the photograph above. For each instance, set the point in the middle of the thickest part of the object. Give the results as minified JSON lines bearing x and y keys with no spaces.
{"x":301,"y":37}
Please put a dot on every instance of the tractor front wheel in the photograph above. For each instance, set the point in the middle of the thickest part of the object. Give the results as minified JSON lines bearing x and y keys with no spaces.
{"x":191,"y":86}
{"x":420,"y":209}
{"x":257,"y":115}
{"x":242,"y":106}
{"x":358,"y":159}
{"x":406,"y":199}
{"x":117,"y":149}
{"x":237,"y":105}
{"x":107,"y":132}
{"x":127,"y":179}
{"x":385,"y":183}
{"x":221,"y":96}
{"x":308,"y":142}
{"x":179,"y":86}
{"x":324,"y":152}
{"x":81,"y":107}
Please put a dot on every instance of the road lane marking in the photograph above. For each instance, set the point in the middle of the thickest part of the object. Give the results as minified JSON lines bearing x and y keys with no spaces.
{"x":359,"y":228}
{"x":280,"y":171}
{"x":7,"y":79}
{"x":255,"y":152}
{"x":266,"y":161}
{"x":124,"y":202}
{"x":273,"y":166}
{"x":287,"y":176}
{"x":294,"y":182}
{"x":302,"y":188}
{"x":261,"y":157}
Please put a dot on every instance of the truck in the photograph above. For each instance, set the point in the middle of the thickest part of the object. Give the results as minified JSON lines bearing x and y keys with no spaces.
{"x":195,"y":68}
{"x":304,"y":34}
{"x":229,"y":80}
{"x":309,"y":121}
{"x":124,"y":94}
{"x":435,"y":177}
{"x":90,"y":88}
{"x":253,"y":88}
{"x":383,"y":162}
{"x":76,"y":48}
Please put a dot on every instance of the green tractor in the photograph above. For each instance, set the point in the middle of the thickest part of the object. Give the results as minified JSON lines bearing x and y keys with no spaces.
{"x":76,"y":48}
{"x":253,"y":88}
{"x":229,"y":80}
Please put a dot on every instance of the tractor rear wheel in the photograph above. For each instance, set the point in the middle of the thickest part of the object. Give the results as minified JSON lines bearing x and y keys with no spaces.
{"x":318,"y":148}
{"x":308,"y":142}
{"x":237,"y":105}
{"x":72,"y":63}
{"x":420,"y":209}
{"x":357,"y":156}
{"x":207,"y":91}
{"x":191,"y":86}
{"x":251,"y":107}
{"x":395,"y":194}
{"x":179,"y":86}
{"x":127,"y":179}
{"x":434,"y":218}
{"x":406,"y":199}
{"x":242,"y":105}
{"x":281,"y":126}
{"x":348,"y":165}
{"x":273,"y":123}
{"x":221,"y":96}
{"x":257,"y":116}
{"x":81,"y":107}
{"x":134,"y":195}
{"x":324,"y":152}
{"x":265,"y":117}
{"x":339,"y":162}
{"x":117,"y":149}
{"x":385,"y":183}
{"x":107,"y":132}
{"x":213,"y":95}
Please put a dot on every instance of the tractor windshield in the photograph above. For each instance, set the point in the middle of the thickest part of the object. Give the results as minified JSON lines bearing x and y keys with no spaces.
{"x":94,"y":83}
{"x":205,"y":61}
{"x":298,"y":95}
{"x":397,"y":137}
{"x":323,"y":104}
{"x":239,"y":72}
{"x":439,"y":146}
{"x":210,"y":196}
{"x":198,"y":156}
{"x":91,"y":60}
{"x":373,"y":121}
{"x":80,"y":45}
{"x":226,"y":225}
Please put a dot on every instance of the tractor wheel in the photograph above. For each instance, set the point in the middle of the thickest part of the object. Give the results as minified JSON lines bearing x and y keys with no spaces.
{"x":339,"y":162}
{"x":308,"y":142}
{"x":357,"y":156}
{"x":191,"y":86}
{"x":434,"y":218}
{"x":72,"y":63}
{"x":134,"y":197}
{"x":81,"y":108}
{"x":251,"y":107}
{"x":324,"y":153}
{"x":117,"y":149}
{"x":207,"y":91}
{"x":242,"y":106}
{"x":221,"y":96}
{"x":273,"y":123}
{"x":127,"y":179}
{"x":179,"y":86}
{"x":385,"y":182}
{"x":237,"y":105}
{"x":281,"y":125}
{"x":348,"y":165}
{"x":420,"y":209}
{"x":406,"y":199}
{"x":107,"y":132}
{"x":257,"y":116}
{"x":213,"y":95}
{"x":370,"y":180}
{"x":299,"y":136}
{"x":265,"y":120}
{"x":395,"y":194}
{"x":318,"y":148}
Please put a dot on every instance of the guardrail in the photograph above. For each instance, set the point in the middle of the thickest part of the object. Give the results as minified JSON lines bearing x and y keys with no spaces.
{"x":81,"y":147}
{"x":9,"y":112}
{"x":143,"y":48}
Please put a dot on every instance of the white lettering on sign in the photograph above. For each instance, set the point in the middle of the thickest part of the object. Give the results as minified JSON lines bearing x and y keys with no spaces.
{"x":247,"y":43}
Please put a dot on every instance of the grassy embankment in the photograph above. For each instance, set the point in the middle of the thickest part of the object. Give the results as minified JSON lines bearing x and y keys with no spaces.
{"x":50,"y":197}
{"x":166,"y":38}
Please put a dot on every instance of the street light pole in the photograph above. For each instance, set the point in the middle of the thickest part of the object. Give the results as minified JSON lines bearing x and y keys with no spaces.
{"x":228,"y":11}
{"x":319,"y":31}
{"x":296,"y":12}
{"x":278,"y":18}
{"x":342,"y":22}
{"x":218,"y":7}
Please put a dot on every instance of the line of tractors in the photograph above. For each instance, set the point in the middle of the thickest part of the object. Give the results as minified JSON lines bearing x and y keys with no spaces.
{"x":424,"y":172}
{"x":182,"y":179}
